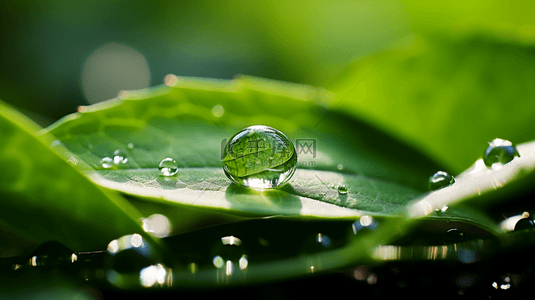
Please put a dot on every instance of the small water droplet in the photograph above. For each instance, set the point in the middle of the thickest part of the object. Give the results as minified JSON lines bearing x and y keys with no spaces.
{"x":258,"y":144}
{"x":168,"y":167}
{"x":453,"y":236}
{"x":342,"y":189}
{"x":107,"y":163}
{"x":130,"y":146}
{"x":119,"y":158}
{"x":440,"y":180}
{"x":218,"y":111}
{"x":499,"y":152}
{"x":524,"y":223}
{"x":340,"y":167}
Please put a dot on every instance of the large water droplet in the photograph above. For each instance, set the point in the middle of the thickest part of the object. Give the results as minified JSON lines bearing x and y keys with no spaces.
{"x":51,"y":253}
{"x":342,"y":190}
{"x":499,"y":152}
{"x":440,"y":180}
{"x":524,"y":223}
{"x":259,"y":157}
{"x":168,"y":167}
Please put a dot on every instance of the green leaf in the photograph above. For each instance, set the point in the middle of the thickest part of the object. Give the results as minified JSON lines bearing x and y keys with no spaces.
{"x":45,"y":198}
{"x":176,"y":122}
{"x":382,"y":174}
{"x":448,"y":96}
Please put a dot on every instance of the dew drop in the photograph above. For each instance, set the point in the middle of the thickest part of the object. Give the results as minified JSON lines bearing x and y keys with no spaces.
{"x":130,"y":146}
{"x":340,"y":167}
{"x":258,"y":144}
{"x":342,"y":190}
{"x":107,"y":163}
{"x":119,"y":158}
{"x":499,"y":152}
{"x":168,"y":167}
{"x":524,"y":223}
{"x":454,"y":235}
{"x":440,"y":180}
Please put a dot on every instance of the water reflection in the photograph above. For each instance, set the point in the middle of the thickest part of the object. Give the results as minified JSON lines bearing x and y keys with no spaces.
{"x":130,"y":256}
{"x":365,"y":223}
{"x":157,"y":225}
{"x":51,"y":253}
{"x":466,"y":253}
{"x":229,"y":257}
{"x":155,"y":275}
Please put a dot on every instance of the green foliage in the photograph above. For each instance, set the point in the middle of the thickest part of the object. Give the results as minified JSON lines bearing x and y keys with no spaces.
{"x":44,"y":197}
{"x":449,"y":96}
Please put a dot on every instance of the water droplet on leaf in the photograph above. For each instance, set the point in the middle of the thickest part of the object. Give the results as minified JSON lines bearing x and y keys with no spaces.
{"x":168,"y":167}
{"x":342,"y":190}
{"x":247,"y":157}
{"x":119,"y":158}
{"x":453,"y":236}
{"x":107,"y":163}
{"x":499,"y":152}
{"x":440,"y":180}
{"x":524,"y":223}
{"x":130,"y":146}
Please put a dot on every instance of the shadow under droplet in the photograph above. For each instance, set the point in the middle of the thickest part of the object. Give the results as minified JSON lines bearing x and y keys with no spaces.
{"x":267,"y":201}
{"x":170,"y":183}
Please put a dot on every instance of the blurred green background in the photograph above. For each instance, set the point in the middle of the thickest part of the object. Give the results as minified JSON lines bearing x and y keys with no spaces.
{"x":45,"y":45}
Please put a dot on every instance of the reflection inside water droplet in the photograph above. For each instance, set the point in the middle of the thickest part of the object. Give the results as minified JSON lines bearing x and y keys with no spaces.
{"x":259,"y":157}
{"x":499,"y":152}
{"x":168,"y":167}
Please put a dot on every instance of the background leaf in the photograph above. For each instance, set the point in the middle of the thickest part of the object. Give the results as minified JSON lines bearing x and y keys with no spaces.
{"x":448,"y":96}
{"x":45,"y":198}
